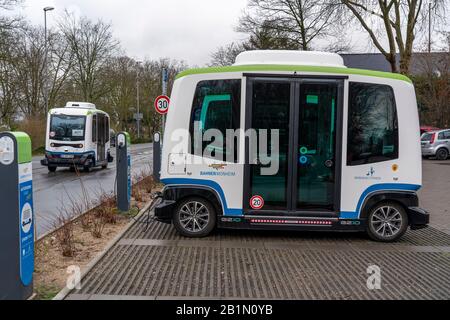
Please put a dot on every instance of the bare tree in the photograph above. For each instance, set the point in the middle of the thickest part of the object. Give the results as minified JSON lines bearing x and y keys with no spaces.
{"x":92,"y":45}
{"x":298,"y":21}
{"x":60,"y":67}
{"x":432,"y":82}
{"x":226,"y":55}
{"x":264,"y":36}
{"x":393,"y":21}
{"x":9,"y":22}
{"x":29,"y":69}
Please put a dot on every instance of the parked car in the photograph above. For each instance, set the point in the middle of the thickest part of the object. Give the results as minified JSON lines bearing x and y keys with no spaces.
{"x":425,"y":129}
{"x":436,"y":144}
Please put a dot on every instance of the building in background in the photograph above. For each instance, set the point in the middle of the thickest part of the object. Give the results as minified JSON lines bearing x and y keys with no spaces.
{"x":421,"y":63}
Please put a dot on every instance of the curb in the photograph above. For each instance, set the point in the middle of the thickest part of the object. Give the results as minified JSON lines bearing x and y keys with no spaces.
{"x":65,"y":291}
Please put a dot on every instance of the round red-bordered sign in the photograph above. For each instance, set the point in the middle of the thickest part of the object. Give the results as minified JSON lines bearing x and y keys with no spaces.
{"x":257,"y":202}
{"x":162,"y":104}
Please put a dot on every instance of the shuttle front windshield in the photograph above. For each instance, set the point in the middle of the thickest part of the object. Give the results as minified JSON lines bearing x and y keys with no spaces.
{"x":67,"y":128}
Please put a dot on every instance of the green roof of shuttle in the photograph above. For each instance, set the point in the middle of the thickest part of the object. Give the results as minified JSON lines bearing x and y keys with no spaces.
{"x":295,"y":68}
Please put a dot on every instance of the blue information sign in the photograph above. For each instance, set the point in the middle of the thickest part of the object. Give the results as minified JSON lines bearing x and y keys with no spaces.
{"x":129,"y":173}
{"x":26,"y":223}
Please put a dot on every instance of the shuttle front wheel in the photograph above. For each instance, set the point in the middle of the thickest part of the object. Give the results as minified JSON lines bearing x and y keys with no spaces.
{"x":194,"y":218}
{"x":51,"y":169}
{"x":387,"y":222}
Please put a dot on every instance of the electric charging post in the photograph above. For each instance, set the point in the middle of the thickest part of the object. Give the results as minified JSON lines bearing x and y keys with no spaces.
{"x":17,"y":217}
{"x":157,"y":157}
{"x":123,"y":168}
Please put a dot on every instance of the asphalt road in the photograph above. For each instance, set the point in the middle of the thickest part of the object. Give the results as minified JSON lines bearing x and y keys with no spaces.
{"x":54,"y":191}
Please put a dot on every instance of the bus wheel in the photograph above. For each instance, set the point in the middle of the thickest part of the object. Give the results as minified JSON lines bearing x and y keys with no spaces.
{"x":387,"y":222}
{"x":51,"y":169}
{"x":442,"y":154}
{"x":105,"y":166}
{"x":194,"y":218}
{"x":87,"y":169}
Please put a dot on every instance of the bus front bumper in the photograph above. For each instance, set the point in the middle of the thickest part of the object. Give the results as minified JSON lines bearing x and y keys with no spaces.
{"x":164,"y":211}
{"x":63,"y":160}
{"x":418,"y":218}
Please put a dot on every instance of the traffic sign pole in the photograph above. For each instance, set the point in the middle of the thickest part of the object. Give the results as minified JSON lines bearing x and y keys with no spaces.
{"x":165,"y":80}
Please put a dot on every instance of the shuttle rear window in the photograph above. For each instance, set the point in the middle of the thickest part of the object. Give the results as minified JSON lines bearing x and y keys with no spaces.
{"x":372,"y":124}
{"x":216,"y":110}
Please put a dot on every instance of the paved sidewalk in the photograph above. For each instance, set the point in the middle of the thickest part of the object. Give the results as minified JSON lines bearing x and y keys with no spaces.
{"x":159,"y":264}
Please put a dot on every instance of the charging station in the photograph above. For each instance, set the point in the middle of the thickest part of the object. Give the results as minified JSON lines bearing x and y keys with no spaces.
{"x":17,"y":217}
{"x":157,"y":157}
{"x":123,"y":155}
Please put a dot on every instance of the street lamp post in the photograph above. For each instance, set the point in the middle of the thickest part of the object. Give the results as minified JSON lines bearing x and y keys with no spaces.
{"x":46,"y":9}
{"x":429,"y":27}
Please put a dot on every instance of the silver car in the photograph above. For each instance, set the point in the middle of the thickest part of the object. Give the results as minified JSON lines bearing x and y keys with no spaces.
{"x":436,"y":144}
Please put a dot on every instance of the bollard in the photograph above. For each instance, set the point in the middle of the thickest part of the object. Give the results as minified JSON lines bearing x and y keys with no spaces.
{"x":17,"y":217}
{"x":123,"y":168}
{"x":157,"y":157}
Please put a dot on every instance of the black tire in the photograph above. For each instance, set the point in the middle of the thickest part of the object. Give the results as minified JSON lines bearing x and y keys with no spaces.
{"x":425,"y":157}
{"x":52,"y":169}
{"x":87,"y":169}
{"x":205,"y":209}
{"x":442,"y":154}
{"x":375,"y":225}
{"x":105,"y":166}
{"x":72,"y":169}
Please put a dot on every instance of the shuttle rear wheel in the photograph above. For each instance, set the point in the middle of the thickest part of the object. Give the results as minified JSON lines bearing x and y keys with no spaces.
{"x":387,"y":222}
{"x":194,"y":217}
{"x":51,"y":169}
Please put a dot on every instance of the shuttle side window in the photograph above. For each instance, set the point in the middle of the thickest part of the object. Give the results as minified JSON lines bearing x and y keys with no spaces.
{"x":372,"y":125}
{"x":216,"y":109}
{"x":94,"y":128}
{"x":107,"y":134}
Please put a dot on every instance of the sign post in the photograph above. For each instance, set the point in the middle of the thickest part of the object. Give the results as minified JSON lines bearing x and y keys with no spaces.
{"x":123,"y":156}
{"x":165,"y":84}
{"x":17,"y":217}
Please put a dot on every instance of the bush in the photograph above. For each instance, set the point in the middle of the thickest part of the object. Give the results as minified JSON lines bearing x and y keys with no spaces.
{"x":36,"y":128}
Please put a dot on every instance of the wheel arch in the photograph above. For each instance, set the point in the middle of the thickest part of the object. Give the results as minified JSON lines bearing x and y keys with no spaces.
{"x":179,"y":193}
{"x":404,"y":198}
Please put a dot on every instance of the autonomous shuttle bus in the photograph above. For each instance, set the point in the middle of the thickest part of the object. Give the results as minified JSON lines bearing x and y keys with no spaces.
{"x":78,"y":136}
{"x":292,"y":141}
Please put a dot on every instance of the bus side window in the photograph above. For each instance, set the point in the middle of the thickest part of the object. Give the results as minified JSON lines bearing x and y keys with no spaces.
{"x":94,"y":128}
{"x":216,"y":106}
{"x":372,"y":124}
{"x":107,"y":136}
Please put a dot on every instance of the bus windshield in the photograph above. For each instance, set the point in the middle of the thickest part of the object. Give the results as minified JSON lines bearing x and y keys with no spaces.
{"x":67,"y":128}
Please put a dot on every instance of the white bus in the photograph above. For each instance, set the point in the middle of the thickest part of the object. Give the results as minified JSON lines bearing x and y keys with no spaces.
{"x":345,"y":144}
{"x":78,"y":136}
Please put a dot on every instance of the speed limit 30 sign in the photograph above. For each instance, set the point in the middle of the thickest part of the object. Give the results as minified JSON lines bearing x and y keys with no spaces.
{"x":257,"y":202}
{"x":162,"y":104}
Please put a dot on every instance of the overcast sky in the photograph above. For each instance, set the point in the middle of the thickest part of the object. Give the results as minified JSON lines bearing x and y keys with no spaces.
{"x":181,"y":29}
{"x":188,"y":30}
